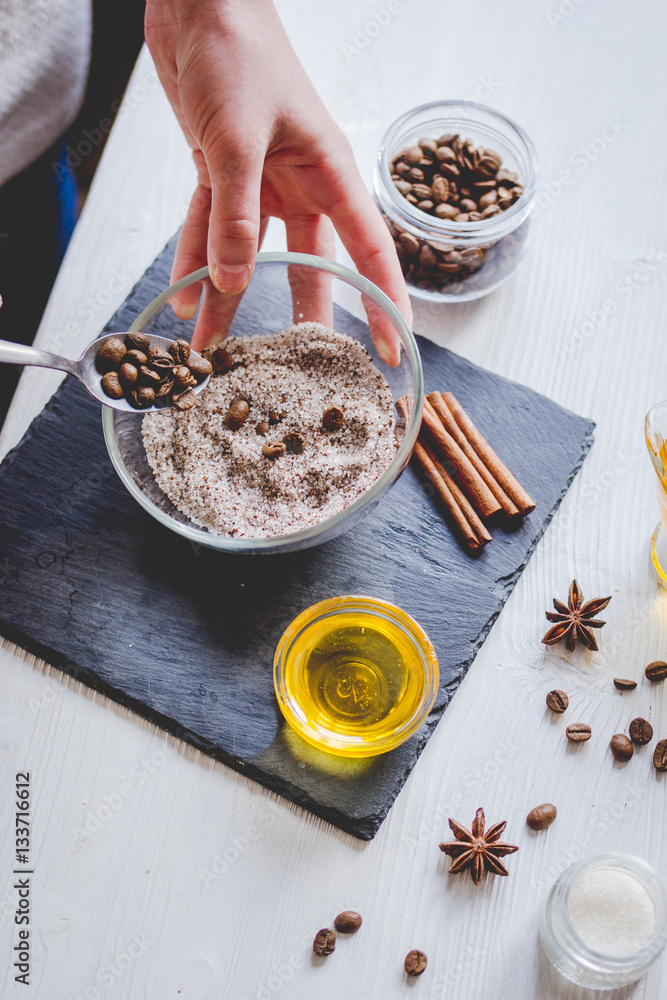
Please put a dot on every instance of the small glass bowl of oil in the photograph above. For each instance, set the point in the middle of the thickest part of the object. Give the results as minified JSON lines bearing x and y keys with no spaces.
{"x":355,"y":676}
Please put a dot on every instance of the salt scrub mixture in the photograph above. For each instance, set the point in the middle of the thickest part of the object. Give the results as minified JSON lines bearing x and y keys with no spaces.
{"x":611,"y":912}
{"x":220,"y":477}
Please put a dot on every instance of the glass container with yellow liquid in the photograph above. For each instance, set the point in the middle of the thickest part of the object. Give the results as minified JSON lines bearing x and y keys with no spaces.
{"x":655,"y":427}
{"x":355,"y":676}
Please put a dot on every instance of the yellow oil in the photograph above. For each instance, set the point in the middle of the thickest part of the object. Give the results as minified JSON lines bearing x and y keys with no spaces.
{"x":356,"y":675}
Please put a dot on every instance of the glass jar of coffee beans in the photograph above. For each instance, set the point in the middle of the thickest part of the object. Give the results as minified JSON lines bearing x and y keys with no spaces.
{"x":455,"y":182}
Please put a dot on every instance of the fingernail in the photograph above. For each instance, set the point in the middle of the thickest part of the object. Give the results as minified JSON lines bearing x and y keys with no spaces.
{"x":231,"y":279}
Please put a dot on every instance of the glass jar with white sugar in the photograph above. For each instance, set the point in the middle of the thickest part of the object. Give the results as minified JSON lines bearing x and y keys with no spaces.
{"x":605,"y":921}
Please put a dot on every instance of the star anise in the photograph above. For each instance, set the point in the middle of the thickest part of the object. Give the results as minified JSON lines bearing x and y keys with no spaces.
{"x":478,"y":850}
{"x":575,"y":620}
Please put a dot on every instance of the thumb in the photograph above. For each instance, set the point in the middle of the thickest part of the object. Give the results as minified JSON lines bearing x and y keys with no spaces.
{"x":234,"y":226}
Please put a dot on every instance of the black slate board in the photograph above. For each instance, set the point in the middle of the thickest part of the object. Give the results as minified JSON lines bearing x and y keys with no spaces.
{"x":185,"y":636}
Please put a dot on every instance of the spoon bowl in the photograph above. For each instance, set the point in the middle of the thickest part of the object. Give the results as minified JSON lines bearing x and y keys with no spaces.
{"x":84,"y":369}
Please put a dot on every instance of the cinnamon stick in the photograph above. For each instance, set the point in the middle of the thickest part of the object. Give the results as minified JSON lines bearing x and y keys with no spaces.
{"x":455,"y":513}
{"x":501,"y":473}
{"x":469,"y":478}
{"x":466,"y":507}
{"x":440,"y":406}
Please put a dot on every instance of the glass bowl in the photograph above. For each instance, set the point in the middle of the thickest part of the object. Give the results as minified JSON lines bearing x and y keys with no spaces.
{"x":285,"y":288}
{"x":442,"y":260}
{"x":355,"y":676}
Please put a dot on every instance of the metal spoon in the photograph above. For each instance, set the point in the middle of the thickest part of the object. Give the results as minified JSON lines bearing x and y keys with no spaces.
{"x":84,"y":369}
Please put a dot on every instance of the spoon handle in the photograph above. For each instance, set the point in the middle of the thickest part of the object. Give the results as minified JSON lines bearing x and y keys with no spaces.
{"x":19,"y":354}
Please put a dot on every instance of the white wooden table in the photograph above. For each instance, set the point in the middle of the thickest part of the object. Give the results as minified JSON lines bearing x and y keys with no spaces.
{"x":159,"y":873}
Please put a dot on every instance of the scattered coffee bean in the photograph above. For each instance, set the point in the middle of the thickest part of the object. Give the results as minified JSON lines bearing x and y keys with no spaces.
{"x":656,"y":671}
{"x":180,"y":351}
{"x":541,"y":817}
{"x":110,"y":355}
{"x":221,"y":360}
{"x":578,"y":732}
{"x":275,"y":417}
{"x":660,"y":756}
{"x":237,"y":414}
{"x":294,"y":442}
{"x":137,"y":342}
{"x":347,"y":922}
{"x":621,"y":747}
{"x":112,"y":385}
{"x":415,"y":962}
{"x":273,"y":449}
{"x":263,"y":428}
{"x":325,"y":942}
{"x":333,"y":418}
{"x":135,"y":357}
{"x":557,"y":701}
{"x":641,"y":731}
{"x":621,"y":684}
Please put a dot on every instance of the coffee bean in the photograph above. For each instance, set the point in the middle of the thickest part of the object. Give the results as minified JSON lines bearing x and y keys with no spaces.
{"x":656,"y":671}
{"x":165,"y":388}
{"x":111,"y":385}
{"x":294,"y":442}
{"x":158,"y":354}
{"x":467,"y":205}
{"x":660,"y":756}
{"x":621,"y":747}
{"x":200,"y":367}
{"x":180,"y":351}
{"x":445,"y":211}
{"x":138,"y":342}
{"x":440,"y":189}
{"x":135,"y":357}
{"x":621,"y":684}
{"x":347,"y":922}
{"x":237,"y":414}
{"x":184,"y":376}
{"x":416,"y":175}
{"x":428,"y":146}
{"x":641,"y":731}
{"x":184,"y":400}
{"x":110,"y":355}
{"x":405,"y":187}
{"x":488,"y":199}
{"x":148,"y":376}
{"x":325,"y":942}
{"x":221,"y":360}
{"x":128,"y":375}
{"x":409,"y":243}
{"x":557,"y":701}
{"x":275,"y":417}
{"x":421,"y":191}
{"x":274,"y":449}
{"x":415,"y":962}
{"x":142,"y":397}
{"x":333,"y":418}
{"x":541,"y":817}
{"x":263,"y":428}
{"x":578,"y":732}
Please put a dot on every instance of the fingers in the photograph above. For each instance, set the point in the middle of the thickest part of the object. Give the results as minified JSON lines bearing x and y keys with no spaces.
{"x":217,"y":311}
{"x":311,"y":289}
{"x":191,"y":252}
{"x":367,"y":239}
{"x":234,"y":228}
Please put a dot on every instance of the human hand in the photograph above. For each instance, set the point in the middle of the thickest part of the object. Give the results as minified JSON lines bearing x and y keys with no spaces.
{"x":264,"y":145}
